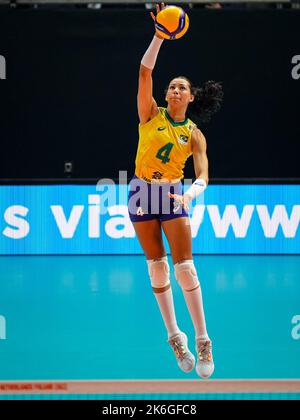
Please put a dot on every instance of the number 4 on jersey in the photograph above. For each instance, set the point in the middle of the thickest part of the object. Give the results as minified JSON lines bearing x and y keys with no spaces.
{"x":164,"y":153}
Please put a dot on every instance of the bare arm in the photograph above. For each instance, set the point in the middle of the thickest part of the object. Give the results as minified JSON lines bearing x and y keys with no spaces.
{"x":201,"y":172}
{"x":199,"y":155}
{"x":147,"y":106}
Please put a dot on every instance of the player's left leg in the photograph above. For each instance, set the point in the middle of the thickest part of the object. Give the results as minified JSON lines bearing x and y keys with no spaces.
{"x":178,"y":233}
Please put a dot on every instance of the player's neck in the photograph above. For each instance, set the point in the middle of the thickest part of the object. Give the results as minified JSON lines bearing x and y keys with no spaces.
{"x":177,"y":115}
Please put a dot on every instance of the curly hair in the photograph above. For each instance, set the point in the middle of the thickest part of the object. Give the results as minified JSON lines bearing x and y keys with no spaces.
{"x":208,"y":99}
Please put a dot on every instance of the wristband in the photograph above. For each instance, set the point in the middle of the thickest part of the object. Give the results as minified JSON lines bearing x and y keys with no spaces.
{"x":196,"y":188}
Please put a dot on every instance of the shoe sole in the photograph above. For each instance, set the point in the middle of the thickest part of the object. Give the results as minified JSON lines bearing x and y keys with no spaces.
{"x":205,"y":377}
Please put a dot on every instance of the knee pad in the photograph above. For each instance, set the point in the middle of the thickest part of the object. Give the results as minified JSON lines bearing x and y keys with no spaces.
{"x":159,"y":272}
{"x":186,"y":275}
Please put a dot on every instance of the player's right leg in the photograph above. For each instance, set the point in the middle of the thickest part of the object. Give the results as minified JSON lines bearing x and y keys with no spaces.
{"x":150,"y":237}
{"x":178,"y":233}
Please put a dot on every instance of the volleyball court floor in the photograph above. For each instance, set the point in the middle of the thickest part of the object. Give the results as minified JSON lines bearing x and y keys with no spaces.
{"x":90,"y":325}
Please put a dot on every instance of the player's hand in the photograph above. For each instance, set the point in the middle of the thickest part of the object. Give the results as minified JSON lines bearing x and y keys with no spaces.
{"x":159,"y":7}
{"x":180,"y":200}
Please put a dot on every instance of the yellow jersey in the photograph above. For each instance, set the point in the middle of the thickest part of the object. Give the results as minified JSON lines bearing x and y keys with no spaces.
{"x":164,"y":146}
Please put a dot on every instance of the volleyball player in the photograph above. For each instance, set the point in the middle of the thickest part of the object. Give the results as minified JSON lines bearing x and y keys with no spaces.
{"x":167,"y":138}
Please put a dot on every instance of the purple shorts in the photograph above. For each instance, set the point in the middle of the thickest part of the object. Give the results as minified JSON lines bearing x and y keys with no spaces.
{"x":151,"y":201}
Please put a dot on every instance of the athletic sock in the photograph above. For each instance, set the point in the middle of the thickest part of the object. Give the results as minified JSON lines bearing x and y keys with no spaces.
{"x":194,"y":303}
{"x":167,"y":310}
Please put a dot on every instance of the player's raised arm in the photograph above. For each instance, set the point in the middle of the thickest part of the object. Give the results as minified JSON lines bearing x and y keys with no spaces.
{"x":147,"y":107}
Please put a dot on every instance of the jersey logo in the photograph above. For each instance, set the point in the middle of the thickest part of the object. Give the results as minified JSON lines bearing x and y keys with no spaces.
{"x":161,"y":128}
{"x":157,"y":175}
{"x":183,"y":139}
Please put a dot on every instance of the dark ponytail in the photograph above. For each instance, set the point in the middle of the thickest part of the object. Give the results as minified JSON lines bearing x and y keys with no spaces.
{"x":207,"y":102}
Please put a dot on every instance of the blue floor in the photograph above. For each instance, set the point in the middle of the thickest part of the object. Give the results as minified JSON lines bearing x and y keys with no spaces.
{"x":96,"y":318}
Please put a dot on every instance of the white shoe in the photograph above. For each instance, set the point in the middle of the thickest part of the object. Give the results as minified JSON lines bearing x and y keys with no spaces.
{"x":205,"y":365}
{"x":185,"y":359}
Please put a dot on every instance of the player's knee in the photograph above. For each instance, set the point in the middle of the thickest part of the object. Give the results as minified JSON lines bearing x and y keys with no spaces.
{"x":186,"y":275}
{"x":159,"y":272}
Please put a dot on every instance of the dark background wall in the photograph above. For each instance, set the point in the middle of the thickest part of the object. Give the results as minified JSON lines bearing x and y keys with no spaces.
{"x":71,"y":86}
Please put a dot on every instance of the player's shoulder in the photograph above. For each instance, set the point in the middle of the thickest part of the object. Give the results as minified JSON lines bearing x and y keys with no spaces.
{"x":197,"y":133}
{"x":156,"y":114}
{"x":191,"y":125}
{"x":198,"y":137}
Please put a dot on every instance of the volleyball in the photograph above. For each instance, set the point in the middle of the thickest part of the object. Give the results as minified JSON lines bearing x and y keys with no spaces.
{"x":172,"y":22}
